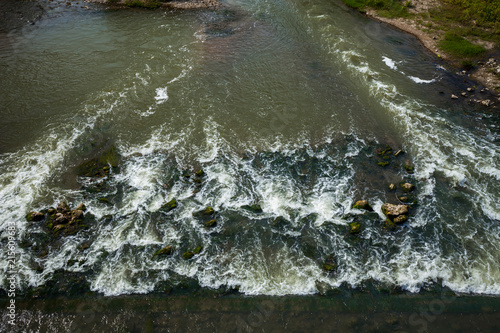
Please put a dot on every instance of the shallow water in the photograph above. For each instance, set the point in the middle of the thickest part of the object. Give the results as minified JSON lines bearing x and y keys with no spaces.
{"x":282,"y":104}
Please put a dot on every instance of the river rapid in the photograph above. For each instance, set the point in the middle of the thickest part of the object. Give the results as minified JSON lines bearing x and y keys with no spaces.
{"x":290,"y":105}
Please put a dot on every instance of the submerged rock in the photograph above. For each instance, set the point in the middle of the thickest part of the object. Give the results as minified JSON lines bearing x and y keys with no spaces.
{"x":101,"y":165}
{"x":166,"y":251}
{"x":255,"y":208}
{"x":329,"y":264}
{"x":355,"y":227}
{"x":207,"y":212}
{"x":172,"y":204}
{"x":187,"y":255}
{"x":363,"y":204}
{"x":210,"y":224}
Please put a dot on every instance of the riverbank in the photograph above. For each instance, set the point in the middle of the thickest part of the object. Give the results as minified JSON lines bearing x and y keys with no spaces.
{"x":211,"y":313}
{"x":445,"y":36}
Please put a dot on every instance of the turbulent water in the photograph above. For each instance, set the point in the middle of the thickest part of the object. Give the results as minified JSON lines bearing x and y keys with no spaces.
{"x":281,"y":103}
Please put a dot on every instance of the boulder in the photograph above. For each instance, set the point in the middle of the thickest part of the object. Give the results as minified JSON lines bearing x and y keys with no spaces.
{"x":210,"y":224}
{"x":35,"y":216}
{"x":61,"y":218}
{"x":362,"y":204}
{"x":355,"y":227}
{"x":407,"y":187}
{"x":400,"y":219}
{"x":166,"y":251}
{"x":329,"y":264}
{"x":172,"y":204}
{"x":77,"y":214}
{"x":63,"y":208}
{"x":392,"y":187}
{"x":255,"y":208}
{"x":81,"y":207}
{"x":393,"y":211}
{"x":187,"y":255}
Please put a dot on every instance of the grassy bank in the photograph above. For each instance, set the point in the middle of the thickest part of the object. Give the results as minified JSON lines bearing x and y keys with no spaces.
{"x":467,"y":28}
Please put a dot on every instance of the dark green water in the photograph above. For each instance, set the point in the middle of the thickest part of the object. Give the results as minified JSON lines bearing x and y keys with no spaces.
{"x":284,"y":104}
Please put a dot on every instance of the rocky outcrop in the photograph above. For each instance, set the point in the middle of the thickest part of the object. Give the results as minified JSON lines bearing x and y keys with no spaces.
{"x":61,"y":220}
{"x":396,"y":214}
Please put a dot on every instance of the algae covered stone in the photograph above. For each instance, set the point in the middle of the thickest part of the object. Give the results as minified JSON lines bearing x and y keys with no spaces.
{"x":355,"y":227}
{"x":210,"y":224}
{"x":329,"y":264}
{"x":363,"y":204}
{"x":255,"y":208}
{"x":391,"y":210}
{"x":172,"y":204}
{"x":188,"y":255}
{"x":166,"y":251}
{"x":35,"y":216}
{"x":407,"y":187}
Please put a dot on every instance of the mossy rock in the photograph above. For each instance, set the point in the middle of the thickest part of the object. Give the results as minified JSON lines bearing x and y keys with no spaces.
{"x":389,"y":224}
{"x":104,"y":200}
{"x":407,"y":187}
{"x":386,"y":151}
{"x":354,"y":228}
{"x":172,"y":204}
{"x":362,"y":204}
{"x":210,"y":224}
{"x":188,"y":255}
{"x":35,"y":216}
{"x":409,"y":168}
{"x":400,"y":219}
{"x":200,"y":173}
{"x":99,"y":166}
{"x":197,"y":249}
{"x":208,"y":211}
{"x":329,"y":264}
{"x":166,"y":251}
{"x":280,"y":222}
{"x":255,"y":208}
{"x":383,"y":164}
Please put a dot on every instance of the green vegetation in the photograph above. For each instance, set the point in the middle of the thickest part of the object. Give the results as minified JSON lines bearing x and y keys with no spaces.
{"x":460,"y":47}
{"x":483,"y":12}
{"x":472,"y":19}
{"x":386,"y":8}
{"x":463,"y":21}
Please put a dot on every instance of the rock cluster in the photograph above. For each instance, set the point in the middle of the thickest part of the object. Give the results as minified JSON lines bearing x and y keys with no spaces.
{"x":396,"y":214}
{"x":61,"y":220}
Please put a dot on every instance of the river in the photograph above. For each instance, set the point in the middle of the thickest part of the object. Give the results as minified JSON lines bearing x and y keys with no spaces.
{"x":284,"y":104}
